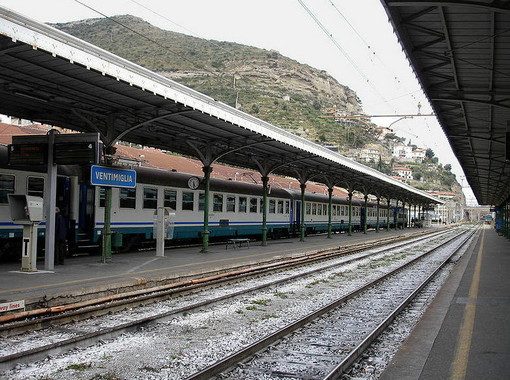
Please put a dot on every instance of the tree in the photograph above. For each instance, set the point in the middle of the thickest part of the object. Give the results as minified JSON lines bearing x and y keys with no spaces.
{"x":448,"y":167}
{"x":429,"y":153}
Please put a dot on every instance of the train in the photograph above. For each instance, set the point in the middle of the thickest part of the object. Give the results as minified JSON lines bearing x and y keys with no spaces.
{"x":235,"y":209}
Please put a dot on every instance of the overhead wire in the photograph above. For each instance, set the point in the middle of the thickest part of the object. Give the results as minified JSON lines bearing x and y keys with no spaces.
{"x":374,"y":53}
{"x":342,"y":50}
{"x":145,"y":37}
{"x":180,"y":26}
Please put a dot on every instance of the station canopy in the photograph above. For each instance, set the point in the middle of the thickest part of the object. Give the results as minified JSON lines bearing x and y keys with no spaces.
{"x":460,"y":52}
{"x":51,"y":77}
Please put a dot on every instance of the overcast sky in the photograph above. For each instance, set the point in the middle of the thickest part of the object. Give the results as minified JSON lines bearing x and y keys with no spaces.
{"x":354,"y":43}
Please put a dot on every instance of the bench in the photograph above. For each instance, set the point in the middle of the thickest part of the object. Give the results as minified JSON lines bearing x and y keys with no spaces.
{"x":237,"y":243}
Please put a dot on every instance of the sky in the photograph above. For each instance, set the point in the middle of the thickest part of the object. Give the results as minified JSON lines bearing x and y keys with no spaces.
{"x":351,"y":40}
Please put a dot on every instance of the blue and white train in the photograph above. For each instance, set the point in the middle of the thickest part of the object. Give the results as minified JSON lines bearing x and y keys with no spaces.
{"x":235,"y":208}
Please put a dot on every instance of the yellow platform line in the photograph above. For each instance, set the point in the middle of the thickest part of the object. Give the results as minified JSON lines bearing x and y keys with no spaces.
{"x":461,"y":358}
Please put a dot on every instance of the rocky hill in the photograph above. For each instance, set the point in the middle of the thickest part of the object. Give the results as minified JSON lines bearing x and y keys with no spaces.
{"x":260,"y":82}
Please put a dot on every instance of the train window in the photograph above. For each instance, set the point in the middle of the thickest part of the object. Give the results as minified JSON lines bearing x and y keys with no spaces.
{"x":6,"y":186}
{"x":231,"y":203}
{"x":170,"y":199}
{"x":319,"y":209}
{"x":272,"y":206}
{"x":334,"y":210}
{"x":314,"y":208}
{"x":150,"y":197}
{"x":201,"y":201}
{"x":308,"y":207}
{"x":261,"y":204}
{"x":325,"y":209}
{"x":280,"y":207}
{"x":35,"y":186}
{"x":188,"y":199}
{"x":253,"y":204}
{"x":243,"y":202}
{"x":287,"y":207}
{"x":218,"y":202}
{"x":127,"y":198}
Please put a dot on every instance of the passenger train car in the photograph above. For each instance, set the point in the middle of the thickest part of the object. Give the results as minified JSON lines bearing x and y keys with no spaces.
{"x":235,"y":208}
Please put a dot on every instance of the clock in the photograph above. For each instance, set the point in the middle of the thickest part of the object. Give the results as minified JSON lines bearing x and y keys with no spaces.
{"x":193,"y":183}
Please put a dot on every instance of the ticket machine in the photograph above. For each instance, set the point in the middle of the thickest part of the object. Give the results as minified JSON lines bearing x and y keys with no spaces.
{"x":163,"y":228}
{"x":27,"y":210}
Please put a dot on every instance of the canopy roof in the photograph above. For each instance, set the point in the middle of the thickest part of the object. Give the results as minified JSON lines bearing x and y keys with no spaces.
{"x":460,"y":51}
{"x":52,"y":77}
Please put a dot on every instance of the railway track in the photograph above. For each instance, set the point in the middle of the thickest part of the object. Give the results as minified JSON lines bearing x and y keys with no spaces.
{"x":40,"y":318}
{"x":100,"y":332}
{"x":323,"y":344}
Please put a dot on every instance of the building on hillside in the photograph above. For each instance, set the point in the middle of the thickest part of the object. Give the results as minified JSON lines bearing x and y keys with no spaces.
{"x":418,"y":155}
{"x":402,"y":152}
{"x":370,"y":153}
{"x":403,"y":172}
{"x":398,"y":178}
{"x":406,"y":153}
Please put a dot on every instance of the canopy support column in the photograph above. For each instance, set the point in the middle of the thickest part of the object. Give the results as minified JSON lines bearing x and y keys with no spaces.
{"x":366,"y":215}
{"x":330,"y":210}
{"x":302,"y":222}
{"x":395,"y":216}
{"x":265,"y":182}
{"x":349,"y":231}
{"x":207,"y":196}
{"x":377,"y":222}
{"x":388,"y":211}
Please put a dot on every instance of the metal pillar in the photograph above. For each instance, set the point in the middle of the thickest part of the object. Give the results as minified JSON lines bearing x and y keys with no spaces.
{"x":106,"y":252}
{"x":349,"y":231}
{"x":395,"y":216}
{"x":366,"y":215}
{"x":388,"y":216}
{"x":50,"y":203}
{"x":302,"y":223}
{"x":265,"y":181}
{"x":377,"y":223}
{"x":330,"y":210}
{"x":207,"y":195}
{"x":404,"y":219}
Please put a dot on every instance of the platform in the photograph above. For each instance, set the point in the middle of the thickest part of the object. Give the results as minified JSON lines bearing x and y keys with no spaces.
{"x":465,"y":333}
{"x":81,"y":276}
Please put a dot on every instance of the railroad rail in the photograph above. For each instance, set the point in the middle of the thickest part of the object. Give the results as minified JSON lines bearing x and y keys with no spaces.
{"x":346,"y":356}
{"x":34,"y":353}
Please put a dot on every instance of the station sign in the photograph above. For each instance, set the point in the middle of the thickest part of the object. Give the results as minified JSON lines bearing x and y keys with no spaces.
{"x":112,"y":177}
{"x":13,"y":305}
{"x":68,"y":149}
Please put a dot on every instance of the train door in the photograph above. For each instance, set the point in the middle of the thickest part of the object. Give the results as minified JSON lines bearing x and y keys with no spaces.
{"x":86,"y":213}
{"x":363,"y":217}
{"x":63,"y":202}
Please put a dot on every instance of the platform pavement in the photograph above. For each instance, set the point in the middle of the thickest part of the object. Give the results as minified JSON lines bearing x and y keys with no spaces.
{"x":127,"y":271}
{"x":465,"y":332}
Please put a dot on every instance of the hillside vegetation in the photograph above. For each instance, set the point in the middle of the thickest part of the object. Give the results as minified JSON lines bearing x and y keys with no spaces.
{"x":260,"y":82}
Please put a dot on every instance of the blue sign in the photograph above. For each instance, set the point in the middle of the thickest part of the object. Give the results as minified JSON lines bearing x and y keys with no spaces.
{"x":112,"y":177}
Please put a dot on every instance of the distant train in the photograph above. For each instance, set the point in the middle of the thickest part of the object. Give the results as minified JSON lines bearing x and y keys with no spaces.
{"x":235,"y":208}
{"x":487,"y":219}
